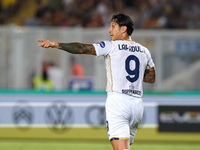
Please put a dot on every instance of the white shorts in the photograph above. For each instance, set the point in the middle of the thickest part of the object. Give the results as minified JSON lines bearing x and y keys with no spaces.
{"x":123,"y":115}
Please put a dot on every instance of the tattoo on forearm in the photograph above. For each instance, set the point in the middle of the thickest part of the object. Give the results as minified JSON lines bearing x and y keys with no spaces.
{"x":149,"y":76}
{"x":78,"y":48}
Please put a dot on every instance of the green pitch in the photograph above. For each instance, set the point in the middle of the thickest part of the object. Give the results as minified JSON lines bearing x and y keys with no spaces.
{"x":92,"y":145}
{"x":93,"y":139}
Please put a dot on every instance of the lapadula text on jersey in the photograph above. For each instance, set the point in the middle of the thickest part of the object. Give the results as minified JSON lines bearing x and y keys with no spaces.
{"x":130,"y":48}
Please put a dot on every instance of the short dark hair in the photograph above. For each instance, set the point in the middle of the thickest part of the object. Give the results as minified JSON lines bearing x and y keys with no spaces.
{"x":124,"y":20}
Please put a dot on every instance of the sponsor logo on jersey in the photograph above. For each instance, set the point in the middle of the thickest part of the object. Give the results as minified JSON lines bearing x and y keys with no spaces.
{"x":129,"y":91}
{"x":130,"y":48}
{"x":102,"y":44}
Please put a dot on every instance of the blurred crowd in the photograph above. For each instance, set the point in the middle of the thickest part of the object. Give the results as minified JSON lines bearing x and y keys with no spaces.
{"x":51,"y":76}
{"x":9,"y":8}
{"x":147,"y":14}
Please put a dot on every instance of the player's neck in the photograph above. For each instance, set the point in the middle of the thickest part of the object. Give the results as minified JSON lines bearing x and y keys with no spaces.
{"x":125,"y":37}
{"x":128,"y":38}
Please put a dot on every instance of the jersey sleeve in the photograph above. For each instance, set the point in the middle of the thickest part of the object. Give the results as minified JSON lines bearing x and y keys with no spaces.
{"x":149,"y":59}
{"x":103,"y":48}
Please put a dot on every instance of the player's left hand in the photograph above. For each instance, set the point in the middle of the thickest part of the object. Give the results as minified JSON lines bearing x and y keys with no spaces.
{"x":47,"y":44}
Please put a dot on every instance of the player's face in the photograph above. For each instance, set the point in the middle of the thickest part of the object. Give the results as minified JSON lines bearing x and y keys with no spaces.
{"x":114,"y":31}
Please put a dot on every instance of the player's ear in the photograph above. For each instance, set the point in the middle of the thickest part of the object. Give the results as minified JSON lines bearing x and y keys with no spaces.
{"x":123,"y":29}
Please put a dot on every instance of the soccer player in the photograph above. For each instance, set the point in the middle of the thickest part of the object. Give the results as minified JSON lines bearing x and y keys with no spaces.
{"x":127,"y":64}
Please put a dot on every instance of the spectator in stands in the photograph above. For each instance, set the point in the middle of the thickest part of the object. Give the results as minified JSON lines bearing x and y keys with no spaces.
{"x":56,"y":75}
{"x":77,"y":70}
{"x":43,"y":82}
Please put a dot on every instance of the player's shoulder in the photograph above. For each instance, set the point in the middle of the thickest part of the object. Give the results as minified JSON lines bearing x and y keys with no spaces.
{"x":103,"y":44}
{"x":119,"y":42}
{"x":127,"y":42}
{"x":142,"y":46}
{"x":133,"y":43}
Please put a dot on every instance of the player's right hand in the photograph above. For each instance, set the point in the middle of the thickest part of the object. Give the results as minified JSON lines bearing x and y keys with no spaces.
{"x":47,"y":44}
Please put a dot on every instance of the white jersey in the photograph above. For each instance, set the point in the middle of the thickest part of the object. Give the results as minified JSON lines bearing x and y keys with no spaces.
{"x":125,"y":63}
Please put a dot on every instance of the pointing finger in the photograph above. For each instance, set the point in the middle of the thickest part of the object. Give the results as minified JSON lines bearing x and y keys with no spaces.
{"x":40,"y":40}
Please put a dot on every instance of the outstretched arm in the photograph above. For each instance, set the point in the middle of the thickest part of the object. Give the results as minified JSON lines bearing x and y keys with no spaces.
{"x":149,"y":75}
{"x":74,"y":48}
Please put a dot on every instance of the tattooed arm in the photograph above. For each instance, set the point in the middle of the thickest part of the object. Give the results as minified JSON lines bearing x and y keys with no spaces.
{"x":149,"y":75}
{"x":78,"y":48}
{"x":74,"y":48}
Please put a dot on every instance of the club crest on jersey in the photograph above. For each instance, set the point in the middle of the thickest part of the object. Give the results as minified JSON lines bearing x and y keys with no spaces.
{"x":102,"y":44}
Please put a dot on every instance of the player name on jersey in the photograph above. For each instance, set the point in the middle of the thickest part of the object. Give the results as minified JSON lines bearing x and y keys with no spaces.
{"x":130,"y":48}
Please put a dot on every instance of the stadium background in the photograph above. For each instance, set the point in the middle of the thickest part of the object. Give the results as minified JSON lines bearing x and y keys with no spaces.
{"x":169,"y":28}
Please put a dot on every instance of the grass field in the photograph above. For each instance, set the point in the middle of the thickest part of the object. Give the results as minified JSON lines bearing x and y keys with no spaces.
{"x":92,"y":145}
{"x":93,"y":139}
